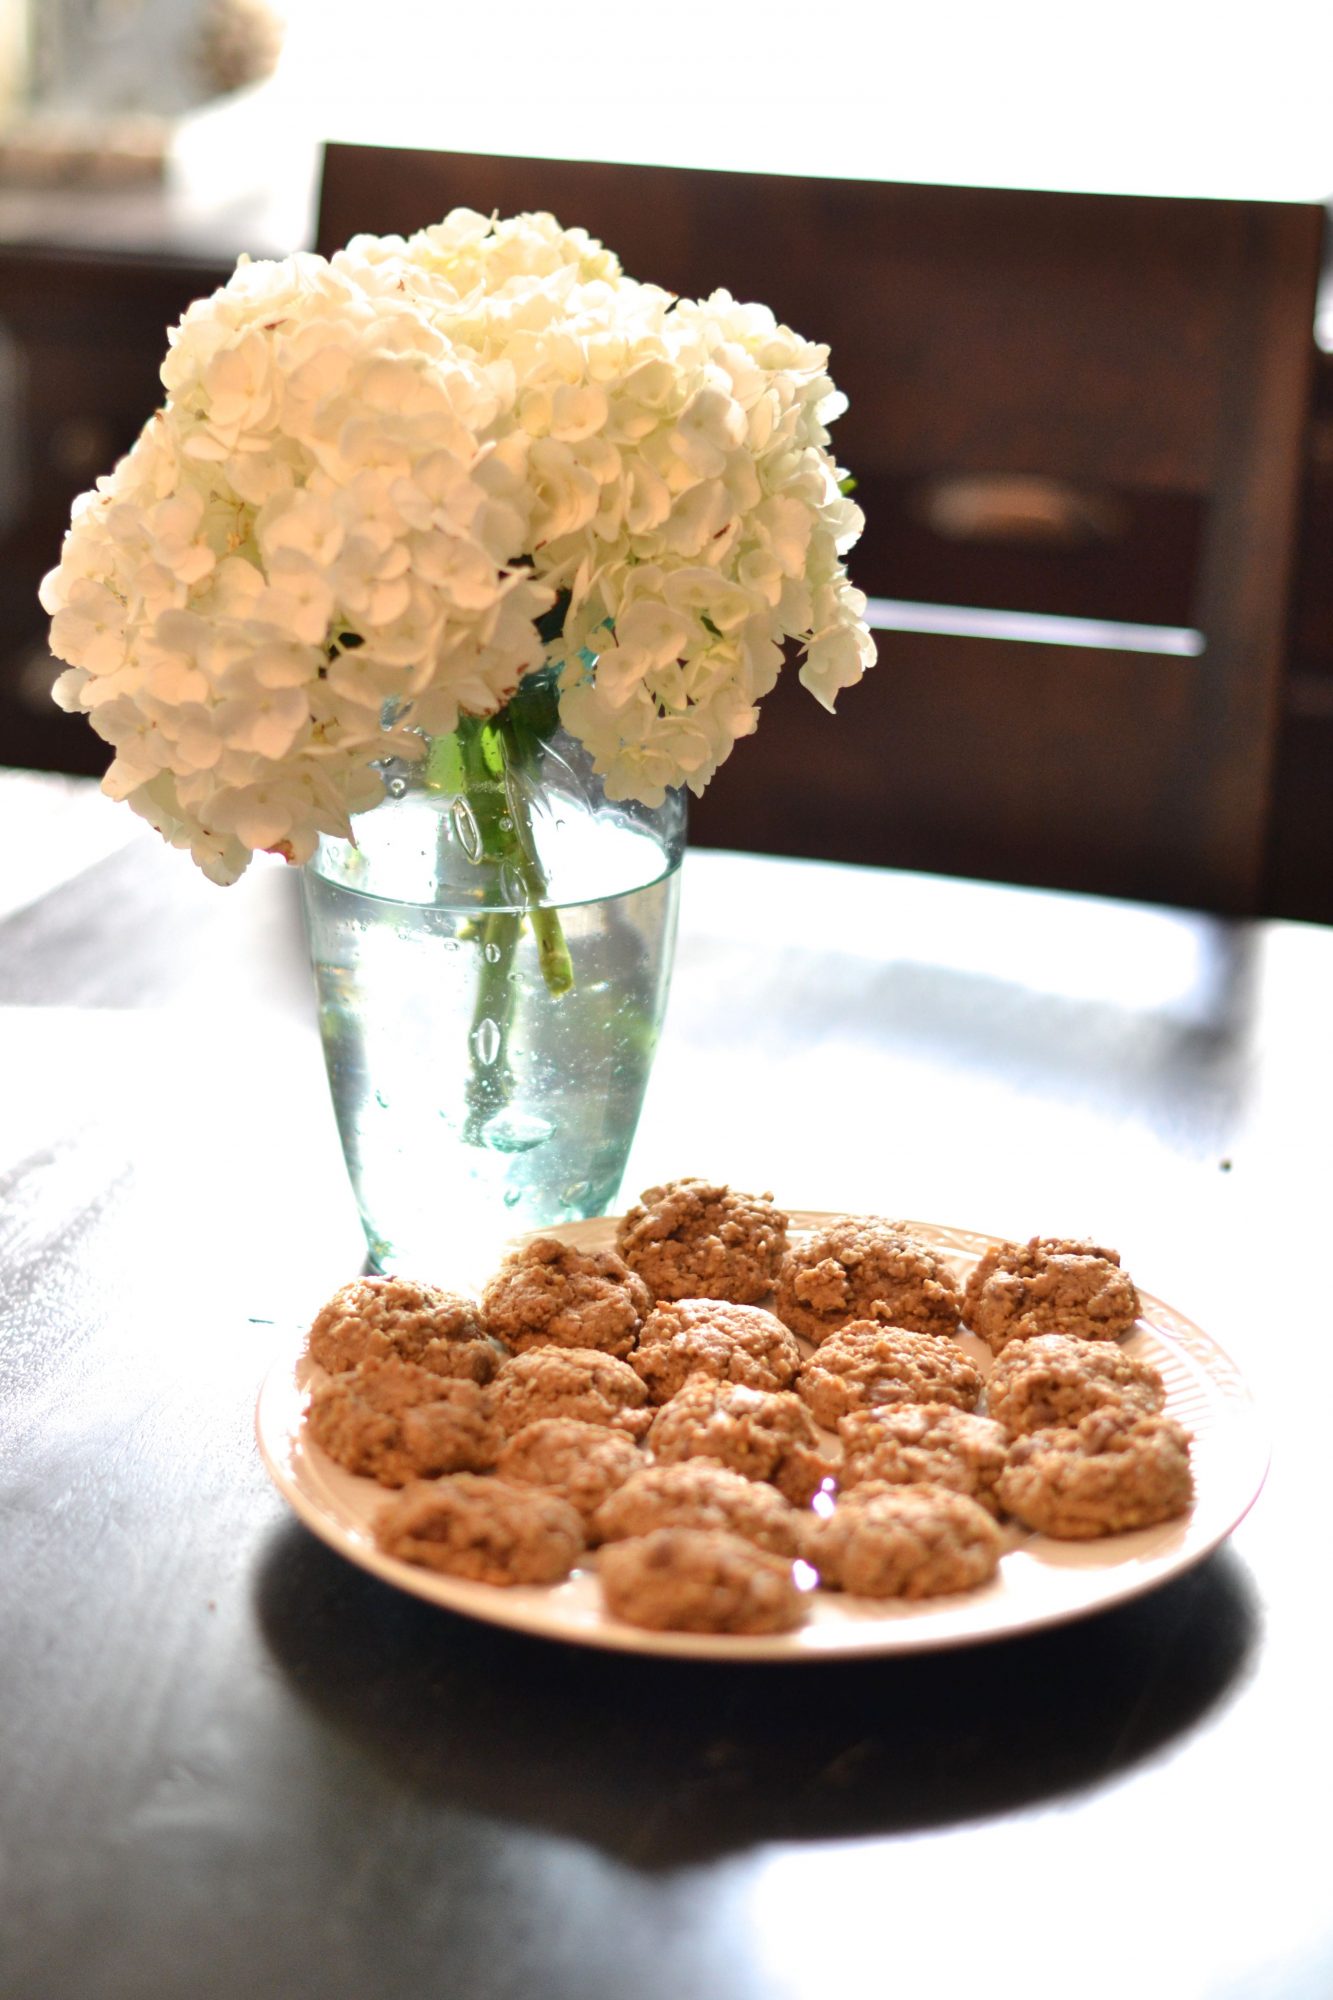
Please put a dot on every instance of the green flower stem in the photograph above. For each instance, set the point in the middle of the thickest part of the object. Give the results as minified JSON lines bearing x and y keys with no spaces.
{"x":557,"y":967}
{"x":490,"y":1085}
{"x":475,"y":764}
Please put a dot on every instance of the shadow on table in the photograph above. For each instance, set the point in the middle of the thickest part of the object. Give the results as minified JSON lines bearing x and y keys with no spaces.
{"x":665,"y":1763}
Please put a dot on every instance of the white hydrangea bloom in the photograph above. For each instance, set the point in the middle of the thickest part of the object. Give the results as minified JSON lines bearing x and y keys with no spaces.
{"x":296,"y":547}
{"x":373,"y":475}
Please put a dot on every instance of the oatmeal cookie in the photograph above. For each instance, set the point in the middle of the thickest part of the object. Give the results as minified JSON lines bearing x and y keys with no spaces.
{"x":570,"y":1382}
{"x":1050,"y":1284}
{"x":487,"y":1529}
{"x":905,"y":1541}
{"x":700,"y":1580}
{"x":684,"y":1337}
{"x":373,"y":1318}
{"x":697,"y":1239}
{"x":762,"y":1433}
{"x":861,"y":1267}
{"x":549,"y":1294}
{"x":914,"y":1444}
{"x":583,"y":1463}
{"x":866,"y":1364}
{"x":1050,"y":1382}
{"x":395,"y":1422}
{"x":1112,"y":1471}
{"x":696,"y":1493}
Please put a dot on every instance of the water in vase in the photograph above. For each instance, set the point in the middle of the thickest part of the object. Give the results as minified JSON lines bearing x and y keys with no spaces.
{"x":472,"y":1102}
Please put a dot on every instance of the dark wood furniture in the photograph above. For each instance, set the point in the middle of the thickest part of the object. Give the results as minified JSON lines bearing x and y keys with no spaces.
{"x":82,"y":336}
{"x":1299,"y":873}
{"x":1090,"y":406}
{"x":230,"y":1763}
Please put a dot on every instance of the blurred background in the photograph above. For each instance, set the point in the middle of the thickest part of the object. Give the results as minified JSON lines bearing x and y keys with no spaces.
{"x":963,"y":194}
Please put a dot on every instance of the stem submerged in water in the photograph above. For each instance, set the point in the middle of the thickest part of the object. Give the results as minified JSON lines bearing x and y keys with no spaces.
{"x":484,"y":764}
{"x":490,"y":1078}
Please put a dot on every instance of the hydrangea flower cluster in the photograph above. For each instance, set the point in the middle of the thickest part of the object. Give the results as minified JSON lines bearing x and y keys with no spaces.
{"x":374,"y":475}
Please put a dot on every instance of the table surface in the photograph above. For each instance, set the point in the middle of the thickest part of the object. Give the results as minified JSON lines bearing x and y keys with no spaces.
{"x":234,"y":1763}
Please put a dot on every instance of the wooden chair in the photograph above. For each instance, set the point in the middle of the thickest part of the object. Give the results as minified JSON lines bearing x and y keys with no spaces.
{"x":1084,"y":409}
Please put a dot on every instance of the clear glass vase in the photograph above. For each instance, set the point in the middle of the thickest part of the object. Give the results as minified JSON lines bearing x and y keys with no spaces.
{"x":492,"y":957}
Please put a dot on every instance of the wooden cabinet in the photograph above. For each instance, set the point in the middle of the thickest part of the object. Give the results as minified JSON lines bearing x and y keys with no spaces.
{"x":82,"y":335}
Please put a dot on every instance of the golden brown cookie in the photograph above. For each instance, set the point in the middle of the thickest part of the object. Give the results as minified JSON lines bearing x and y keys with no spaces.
{"x":866,"y":1364}
{"x":569,"y":1382}
{"x":583,"y":1463}
{"x":697,"y":1239}
{"x":914,"y":1444}
{"x":684,"y":1337}
{"x":698,"y":1493}
{"x":485,"y":1529}
{"x":393,"y":1421}
{"x":862,"y":1267}
{"x":700,"y":1580}
{"x":1113,"y":1471}
{"x":761,"y":1433}
{"x":905,"y":1541}
{"x":1050,"y":1284}
{"x":373,"y":1318}
{"x":550,"y":1294}
{"x":1050,"y":1382}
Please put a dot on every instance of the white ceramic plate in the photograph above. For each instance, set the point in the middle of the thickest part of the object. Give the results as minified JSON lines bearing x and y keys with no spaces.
{"x":1040,"y":1582}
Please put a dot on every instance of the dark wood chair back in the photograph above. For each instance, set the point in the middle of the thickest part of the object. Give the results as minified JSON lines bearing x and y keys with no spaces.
{"x":1076,"y":424}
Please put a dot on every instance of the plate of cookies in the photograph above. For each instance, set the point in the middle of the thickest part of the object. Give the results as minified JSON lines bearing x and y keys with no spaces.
{"x":715,"y":1428}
